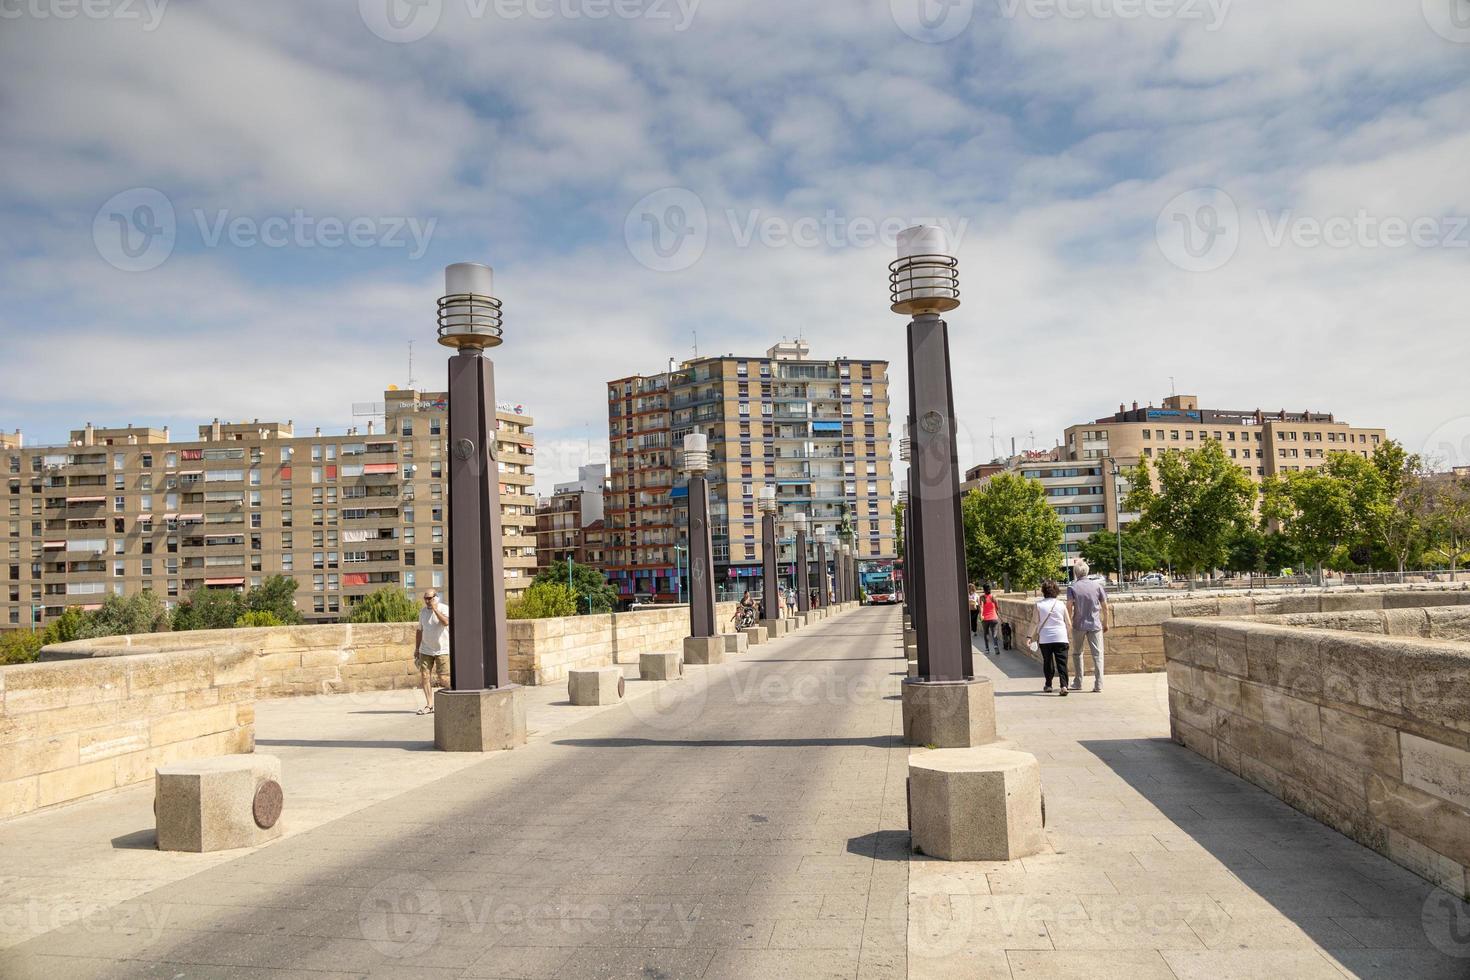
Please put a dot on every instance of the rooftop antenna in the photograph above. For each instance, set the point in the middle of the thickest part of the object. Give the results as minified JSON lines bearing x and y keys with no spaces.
{"x":992,"y":438}
{"x":1172,"y":389}
{"x":695,"y":335}
{"x":411,"y":383}
{"x":1031,"y":439}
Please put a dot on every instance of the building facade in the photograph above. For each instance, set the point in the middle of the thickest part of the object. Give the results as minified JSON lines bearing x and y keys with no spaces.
{"x":563,"y":518}
{"x":116,"y":511}
{"x":816,"y":430}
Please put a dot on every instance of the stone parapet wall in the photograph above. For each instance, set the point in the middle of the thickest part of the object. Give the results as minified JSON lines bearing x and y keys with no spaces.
{"x":1357,"y":718}
{"x":543,"y":650}
{"x":74,"y":728}
{"x":1135,"y":642}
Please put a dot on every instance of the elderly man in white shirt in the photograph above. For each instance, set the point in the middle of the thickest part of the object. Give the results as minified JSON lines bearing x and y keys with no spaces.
{"x":431,"y":647}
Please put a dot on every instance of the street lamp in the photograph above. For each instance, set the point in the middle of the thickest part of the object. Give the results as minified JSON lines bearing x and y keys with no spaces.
{"x":821,"y":535}
{"x":767,"y":504}
{"x":803,"y":571}
{"x":482,"y":710}
{"x":701,"y":550}
{"x":923,"y":284}
{"x":1118,"y":514}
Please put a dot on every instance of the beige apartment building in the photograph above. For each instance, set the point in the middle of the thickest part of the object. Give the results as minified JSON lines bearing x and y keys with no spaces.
{"x":818,"y":430}
{"x":119,"y":510}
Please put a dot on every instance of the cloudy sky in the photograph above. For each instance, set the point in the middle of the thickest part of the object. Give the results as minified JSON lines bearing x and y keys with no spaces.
{"x":243,"y":209}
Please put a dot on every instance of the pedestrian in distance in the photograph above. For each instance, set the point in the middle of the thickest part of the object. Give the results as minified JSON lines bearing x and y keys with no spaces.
{"x":990,"y":621}
{"x":431,"y":648}
{"x":1087,"y":611}
{"x":974,"y":609}
{"x":1050,"y":636}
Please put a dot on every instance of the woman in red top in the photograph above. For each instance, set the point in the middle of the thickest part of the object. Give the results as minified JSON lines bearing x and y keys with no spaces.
{"x":990,"y":617}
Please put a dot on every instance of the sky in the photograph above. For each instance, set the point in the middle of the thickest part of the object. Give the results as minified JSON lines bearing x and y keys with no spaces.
{"x":243,"y":210}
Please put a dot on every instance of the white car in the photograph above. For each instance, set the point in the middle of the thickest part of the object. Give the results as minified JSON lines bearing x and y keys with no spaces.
{"x":1153,"y":578}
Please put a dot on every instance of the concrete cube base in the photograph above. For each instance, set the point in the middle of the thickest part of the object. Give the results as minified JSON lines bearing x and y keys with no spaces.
{"x":975,"y":804}
{"x":910,"y":638}
{"x":489,"y":720}
{"x":913,"y":668}
{"x":660,"y":666}
{"x":801,"y":619}
{"x":599,"y":685}
{"x":216,"y":804}
{"x":704,"y":650}
{"x":791,"y":624}
{"x":776,"y":628}
{"x":948,"y":714}
{"x":756,"y":635}
{"x":736,"y":642}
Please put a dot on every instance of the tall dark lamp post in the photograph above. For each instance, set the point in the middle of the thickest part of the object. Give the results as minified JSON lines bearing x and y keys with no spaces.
{"x":774,"y":624}
{"x":703,"y":645}
{"x":944,"y":706}
{"x":803,"y":570}
{"x":483,"y":710}
{"x":821,"y":535}
{"x":1118,"y":513}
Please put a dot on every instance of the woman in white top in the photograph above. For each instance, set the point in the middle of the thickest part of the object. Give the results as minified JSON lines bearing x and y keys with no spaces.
{"x":1051,"y":635}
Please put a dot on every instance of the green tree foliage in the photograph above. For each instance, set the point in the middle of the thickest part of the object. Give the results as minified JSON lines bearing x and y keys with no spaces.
{"x":142,"y":612}
{"x":275,"y":595}
{"x":543,"y":600}
{"x":1446,"y":514}
{"x":1257,"y":552}
{"x":592,"y":592}
{"x":209,"y":609}
{"x":899,"y":512}
{"x":389,"y":604}
{"x":1141,"y":551}
{"x":258,"y":617}
{"x":72,"y":624}
{"x":1326,"y":511}
{"x":20,"y":646}
{"x":1202,"y":499}
{"x":1012,"y":535}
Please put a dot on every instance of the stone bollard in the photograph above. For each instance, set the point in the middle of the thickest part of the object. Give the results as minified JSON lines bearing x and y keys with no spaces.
{"x":736,"y":642}
{"x":948,"y":714}
{"x":756,"y":635}
{"x":979,"y":804}
{"x":704,"y":650}
{"x":600,"y":685}
{"x":488,"y":720}
{"x":219,"y":803}
{"x":775,"y":628}
{"x":913,"y":668}
{"x":660,"y":666}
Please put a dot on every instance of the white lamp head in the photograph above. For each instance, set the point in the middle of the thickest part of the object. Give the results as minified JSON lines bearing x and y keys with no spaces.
{"x":768,"y":499}
{"x":696,"y":452}
{"x":469,"y":313}
{"x":925,"y":277}
{"x":799,"y":519}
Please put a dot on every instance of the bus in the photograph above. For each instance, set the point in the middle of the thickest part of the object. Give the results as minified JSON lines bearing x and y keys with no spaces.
{"x":879,"y":583}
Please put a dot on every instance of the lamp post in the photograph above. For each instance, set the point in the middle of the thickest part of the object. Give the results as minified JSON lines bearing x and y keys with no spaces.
{"x":482,"y":710}
{"x":678,"y":574}
{"x":775,"y":625}
{"x":803,"y":571}
{"x":701,"y":550}
{"x":1118,"y":513}
{"x":821,"y":535}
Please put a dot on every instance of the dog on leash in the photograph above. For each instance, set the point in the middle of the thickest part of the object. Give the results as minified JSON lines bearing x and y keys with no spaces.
{"x":1006,"y":635}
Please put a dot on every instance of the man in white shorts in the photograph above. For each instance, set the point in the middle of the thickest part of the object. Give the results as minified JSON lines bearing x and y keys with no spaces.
{"x":431,"y":647}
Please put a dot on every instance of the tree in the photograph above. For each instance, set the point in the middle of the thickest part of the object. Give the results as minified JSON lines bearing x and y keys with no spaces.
{"x":276,"y":595}
{"x":1141,"y":553}
{"x":590,"y":587}
{"x":1326,"y":511}
{"x":387,"y":605}
{"x":72,"y":624}
{"x":258,"y":617}
{"x":1012,"y":535}
{"x":20,"y":646}
{"x":1202,"y":500}
{"x":899,"y":510}
{"x":1447,"y":518}
{"x":543,"y":600}
{"x":1397,"y":519}
{"x":142,"y":612}
{"x":209,"y":609}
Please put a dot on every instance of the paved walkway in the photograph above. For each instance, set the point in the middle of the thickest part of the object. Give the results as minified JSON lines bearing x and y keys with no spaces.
{"x":1166,"y":867}
{"x":746,"y":821}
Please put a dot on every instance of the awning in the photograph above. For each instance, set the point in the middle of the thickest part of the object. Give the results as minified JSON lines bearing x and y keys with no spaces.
{"x":53,"y":545}
{"x":86,"y":500}
{"x":224,"y":581}
{"x":380,"y":469}
{"x":191,"y":472}
{"x":92,"y":607}
{"x":145,"y":517}
{"x":355,"y":578}
{"x":191,"y":517}
{"x":170,"y":517}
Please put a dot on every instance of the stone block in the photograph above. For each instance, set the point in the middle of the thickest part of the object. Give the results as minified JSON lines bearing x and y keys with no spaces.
{"x":660,"y":666}
{"x":776,"y":628}
{"x":976,"y":804}
{"x":791,"y":624}
{"x":948,"y":714}
{"x":704,"y":650}
{"x":1292,"y":715}
{"x":595,"y":685}
{"x":1407,"y":622}
{"x":217,"y":804}
{"x":736,"y":642}
{"x":480,"y":721}
{"x":1141,"y":613}
{"x":1437,"y":769}
{"x":756,"y":635}
{"x":1433,"y":822}
{"x":913,"y":668}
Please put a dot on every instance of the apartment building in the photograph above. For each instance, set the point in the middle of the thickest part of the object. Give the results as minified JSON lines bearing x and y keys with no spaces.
{"x":817,"y":430}
{"x":563,"y":518}
{"x":118,"y":510}
{"x":1084,"y":494}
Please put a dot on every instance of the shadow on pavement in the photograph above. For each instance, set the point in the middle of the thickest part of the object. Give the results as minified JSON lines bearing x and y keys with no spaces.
{"x":348,"y":743}
{"x":879,"y":742}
